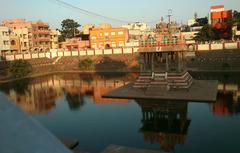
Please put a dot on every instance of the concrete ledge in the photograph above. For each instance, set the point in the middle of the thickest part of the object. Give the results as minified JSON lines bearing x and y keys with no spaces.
{"x":22,"y":134}
{"x":122,"y":149}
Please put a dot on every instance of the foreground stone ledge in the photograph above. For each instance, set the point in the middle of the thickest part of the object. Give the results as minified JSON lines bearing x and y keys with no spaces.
{"x":123,"y":149}
{"x":20,"y":133}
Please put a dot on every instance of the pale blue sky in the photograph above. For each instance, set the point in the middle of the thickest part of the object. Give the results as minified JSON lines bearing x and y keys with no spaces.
{"x":130,"y":10}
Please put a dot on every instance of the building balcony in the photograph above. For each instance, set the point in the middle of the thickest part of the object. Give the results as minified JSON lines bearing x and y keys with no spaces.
{"x":45,"y":32}
{"x":42,"y":39}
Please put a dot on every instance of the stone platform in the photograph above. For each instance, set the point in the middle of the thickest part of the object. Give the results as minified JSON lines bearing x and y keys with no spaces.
{"x":200,"y":91}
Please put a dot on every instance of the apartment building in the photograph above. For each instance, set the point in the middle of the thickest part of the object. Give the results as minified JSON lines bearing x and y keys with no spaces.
{"x":41,"y":39}
{"x":138,"y":31}
{"x":34,"y":36}
{"x":105,"y":36}
{"x":4,"y":39}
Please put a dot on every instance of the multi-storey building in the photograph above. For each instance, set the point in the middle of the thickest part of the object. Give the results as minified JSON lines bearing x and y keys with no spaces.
{"x":41,"y":39}
{"x":138,"y":31}
{"x":23,"y":36}
{"x":107,"y":37}
{"x":87,"y":28}
{"x":54,"y":38}
{"x":4,"y":39}
{"x":33,"y":35}
{"x":219,"y":17}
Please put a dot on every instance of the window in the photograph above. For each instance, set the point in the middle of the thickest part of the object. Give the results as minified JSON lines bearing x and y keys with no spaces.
{"x":106,"y":34}
{"x":113,"y":33}
{"x":120,"y":43}
{"x":93,"y":38}
{"x":6,"y":42}
{"x":100,"y":34}
{"x":120,"y":33}
{"x":13,"y":42}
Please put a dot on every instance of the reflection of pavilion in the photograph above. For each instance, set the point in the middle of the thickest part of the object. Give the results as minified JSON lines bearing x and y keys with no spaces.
{"x":164,"y":122}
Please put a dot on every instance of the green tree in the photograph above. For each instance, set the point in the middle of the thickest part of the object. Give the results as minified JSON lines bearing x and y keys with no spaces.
{"x":85,"y":64}
{"x":207,"y":33}
{"x":19,"y":68}
{"x":236,"y":16}
{"x":69,"y":29}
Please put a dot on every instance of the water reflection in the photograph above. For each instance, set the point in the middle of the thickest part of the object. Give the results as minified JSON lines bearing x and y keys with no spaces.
{"x":39,"y":95}
{"x":226,"y":105}
{"x":164,"y":122}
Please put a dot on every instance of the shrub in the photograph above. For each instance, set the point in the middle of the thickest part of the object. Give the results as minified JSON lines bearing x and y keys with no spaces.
{"x":19,"y":68}
{"x":85,"y":64}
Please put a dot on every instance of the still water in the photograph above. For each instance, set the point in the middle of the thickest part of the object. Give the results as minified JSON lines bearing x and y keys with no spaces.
{"x":71,"y":106}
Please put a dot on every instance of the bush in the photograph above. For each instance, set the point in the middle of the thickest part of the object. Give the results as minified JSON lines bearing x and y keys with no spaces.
{"x":108,"y":64}
{"x":19,"y":68}
{"x":85,"y":64}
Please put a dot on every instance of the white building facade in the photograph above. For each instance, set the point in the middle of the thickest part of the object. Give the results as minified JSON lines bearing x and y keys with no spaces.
{"x":4,"y":39}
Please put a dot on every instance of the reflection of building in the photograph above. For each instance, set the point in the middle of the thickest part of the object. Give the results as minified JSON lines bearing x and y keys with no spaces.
{"x":225,"y":105}
{"x":36,"y":100}
{"x":40,"y":94}
{"x":106,"y":37}
{"x":164,"y":122}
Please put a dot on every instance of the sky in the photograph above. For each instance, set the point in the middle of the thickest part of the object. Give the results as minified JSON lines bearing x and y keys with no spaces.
{"x":128,"y":10}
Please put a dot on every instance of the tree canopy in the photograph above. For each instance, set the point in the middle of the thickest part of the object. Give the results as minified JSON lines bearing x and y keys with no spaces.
{"x":69,"y":29}
{"x":236,"y":16}
{"x":207,"y":33}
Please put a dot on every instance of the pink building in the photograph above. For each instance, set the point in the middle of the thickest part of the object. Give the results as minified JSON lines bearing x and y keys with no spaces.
{"x":75,"y":44}
{"x":17,"y":23}
{"x":38,"y":33}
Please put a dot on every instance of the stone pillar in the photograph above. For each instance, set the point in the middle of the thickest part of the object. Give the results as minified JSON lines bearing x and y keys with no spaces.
{"x":178,"y":62}
{"x":167,"y":62}
{"x":152,"y":63}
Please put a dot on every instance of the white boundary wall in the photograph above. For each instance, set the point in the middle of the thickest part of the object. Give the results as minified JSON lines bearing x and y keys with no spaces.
{"x":129,"y":50}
